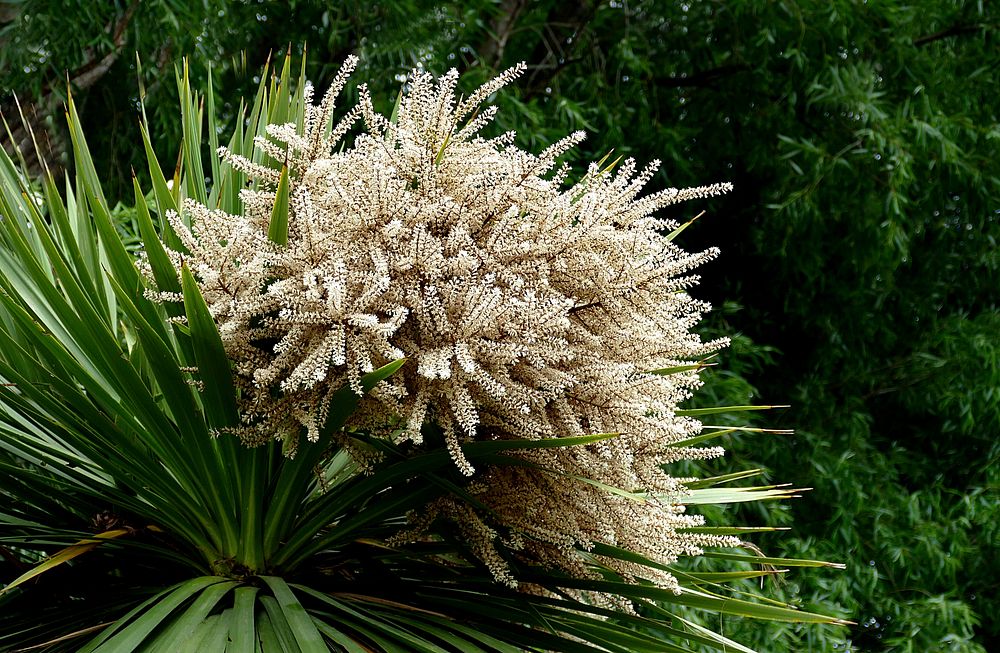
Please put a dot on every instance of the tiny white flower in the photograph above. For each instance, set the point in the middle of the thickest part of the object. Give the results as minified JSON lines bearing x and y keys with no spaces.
{"x":528,"y":310}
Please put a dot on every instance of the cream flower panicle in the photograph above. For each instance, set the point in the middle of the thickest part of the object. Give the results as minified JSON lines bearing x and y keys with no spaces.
{"x":527,"y":309}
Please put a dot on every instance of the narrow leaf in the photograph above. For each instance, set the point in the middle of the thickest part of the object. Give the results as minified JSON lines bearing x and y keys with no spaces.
{"x":734,"y":495}
{"x":715,"y":410}
{"x":219,"y":397}
{"x":764,"y":560}
{"x":163,"y":270}
{"x":131,"y":638}
{"x":306,"y":635}
{"x":161,"y":191}
{"x":63,"y":556}
{"x":277,"y":230}
{"x":242,"y":627}
{"x":679,"y":230}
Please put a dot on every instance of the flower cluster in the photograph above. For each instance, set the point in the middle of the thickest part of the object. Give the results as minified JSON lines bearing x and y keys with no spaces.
{"x":527,"y":309}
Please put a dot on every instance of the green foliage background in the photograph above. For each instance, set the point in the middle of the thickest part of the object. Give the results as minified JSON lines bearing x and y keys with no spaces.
{"x":860,"y":259}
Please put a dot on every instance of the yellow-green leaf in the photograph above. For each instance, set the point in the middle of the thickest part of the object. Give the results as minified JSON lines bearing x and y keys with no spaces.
{"x":65,"y":555}
{"x":277,"y":230}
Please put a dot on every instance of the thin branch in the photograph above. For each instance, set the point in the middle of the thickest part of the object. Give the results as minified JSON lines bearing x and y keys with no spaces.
{"x":492,"y":51}
{"x":560,"y":37}
{"x":86,"y":75}
{"x":954,"y":30}
{"x":702,"y":77}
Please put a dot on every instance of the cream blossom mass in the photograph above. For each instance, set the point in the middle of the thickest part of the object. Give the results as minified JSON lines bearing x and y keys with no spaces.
{"x":527,"y":308}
